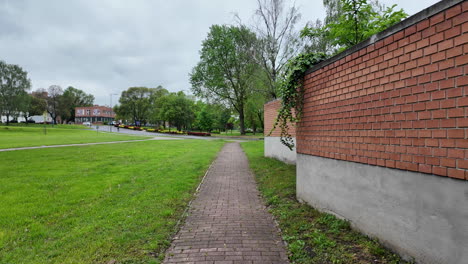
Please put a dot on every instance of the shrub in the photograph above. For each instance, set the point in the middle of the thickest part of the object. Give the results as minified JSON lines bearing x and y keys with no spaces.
{"x":202,"y":134}
{"x":170,"y":132}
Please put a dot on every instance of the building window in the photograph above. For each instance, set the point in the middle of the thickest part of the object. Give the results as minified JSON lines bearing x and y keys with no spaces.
{"x":88,"y":112}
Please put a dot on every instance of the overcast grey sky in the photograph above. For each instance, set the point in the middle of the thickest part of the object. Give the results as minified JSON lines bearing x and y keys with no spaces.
{"x":106,"y":46}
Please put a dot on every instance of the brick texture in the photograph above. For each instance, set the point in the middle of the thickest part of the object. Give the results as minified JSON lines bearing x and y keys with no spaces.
{"x":228,"y":222}
{"x":401,"y":102}
{"x":270,"y":114}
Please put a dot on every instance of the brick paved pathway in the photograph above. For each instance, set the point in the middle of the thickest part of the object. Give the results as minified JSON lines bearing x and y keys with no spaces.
{"x":227,"y":221}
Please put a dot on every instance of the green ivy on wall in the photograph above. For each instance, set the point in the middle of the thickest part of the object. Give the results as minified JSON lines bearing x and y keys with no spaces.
{"x":292,"y":93}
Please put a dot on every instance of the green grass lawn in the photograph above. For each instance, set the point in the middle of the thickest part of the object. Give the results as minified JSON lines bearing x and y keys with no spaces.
{"x":46,"y":125}
{"x":97,"y":204}
{"x":22,"y":136}
{"x":312,"y":236}
{"x":236,"y":133}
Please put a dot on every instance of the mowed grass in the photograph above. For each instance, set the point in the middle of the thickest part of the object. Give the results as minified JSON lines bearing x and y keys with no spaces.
{"x":237,"y":134}
{"x":47,"y":125}
{"x":21,"y":136}
{"x":312,"y":236}
{"x":114,"y":203}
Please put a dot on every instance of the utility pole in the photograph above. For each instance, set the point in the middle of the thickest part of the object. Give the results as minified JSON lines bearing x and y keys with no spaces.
{"x":110,"y":126}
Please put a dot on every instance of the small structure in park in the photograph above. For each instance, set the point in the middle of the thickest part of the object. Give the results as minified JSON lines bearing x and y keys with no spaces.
{"x":94,"y":114}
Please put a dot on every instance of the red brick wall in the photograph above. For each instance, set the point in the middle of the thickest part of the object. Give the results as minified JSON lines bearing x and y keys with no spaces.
{"x":401,"y":102}
{"x":270,"y":113}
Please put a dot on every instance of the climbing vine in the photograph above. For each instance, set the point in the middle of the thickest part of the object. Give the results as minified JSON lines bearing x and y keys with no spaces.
{"x":292,"y":93}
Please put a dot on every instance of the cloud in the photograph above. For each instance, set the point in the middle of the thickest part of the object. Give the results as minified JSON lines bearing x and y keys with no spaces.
{"x":106,"y":46}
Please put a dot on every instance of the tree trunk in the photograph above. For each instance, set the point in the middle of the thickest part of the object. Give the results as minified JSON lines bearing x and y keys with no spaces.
{"x":26,"y":117}
{"x":273,"y":77}
{"x":260,"y":117}
{"x":241,"y":121}
{"x":8,"y":119}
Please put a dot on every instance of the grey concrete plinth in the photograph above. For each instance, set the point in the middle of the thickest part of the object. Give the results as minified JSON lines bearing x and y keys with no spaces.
{"x":275,"y":149}
{"x":418,"y":215}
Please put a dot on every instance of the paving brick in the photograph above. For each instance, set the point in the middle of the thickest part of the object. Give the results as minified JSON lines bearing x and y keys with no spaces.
{"x":227,"y":221}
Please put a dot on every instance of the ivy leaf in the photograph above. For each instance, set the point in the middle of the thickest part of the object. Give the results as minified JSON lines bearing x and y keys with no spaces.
{"x":291,"y":92}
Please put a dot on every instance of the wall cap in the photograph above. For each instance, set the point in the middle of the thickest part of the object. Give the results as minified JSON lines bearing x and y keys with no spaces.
{"x":272,"y":101}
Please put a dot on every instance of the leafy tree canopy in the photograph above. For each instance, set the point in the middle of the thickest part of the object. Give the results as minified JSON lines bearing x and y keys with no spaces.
{"x":37,"y":106}
{"x":136,"y":103}
{"x":72,"y":98}
{"x":354,"y":21}
{"x":54,"y":105}
{"x":14,"y":84}
{"x":205,"y":119}
{"x":226,"y":67}
{"x":177,"y":108}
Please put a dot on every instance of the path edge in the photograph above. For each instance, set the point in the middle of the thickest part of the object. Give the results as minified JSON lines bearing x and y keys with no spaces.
{"x":267,"y":207}
{"x":184,"y":215}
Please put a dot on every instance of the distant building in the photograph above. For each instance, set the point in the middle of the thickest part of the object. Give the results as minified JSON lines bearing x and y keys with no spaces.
{"x":95,"y":114}
{"x":36,"y":118}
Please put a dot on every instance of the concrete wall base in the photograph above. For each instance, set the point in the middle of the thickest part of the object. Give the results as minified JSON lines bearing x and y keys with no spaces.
{"x":275,"y":149}
{"x":421,"y":216}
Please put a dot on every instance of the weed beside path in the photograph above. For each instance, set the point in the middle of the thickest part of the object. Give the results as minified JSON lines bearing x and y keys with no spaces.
{"x":15,"y":136}
{"x":97,"y":204}
{"x":312,"y":236}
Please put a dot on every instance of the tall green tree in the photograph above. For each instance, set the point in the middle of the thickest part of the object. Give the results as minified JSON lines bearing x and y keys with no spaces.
{"x":25,"y":106}
{"x":14,"y":84}
{"x":54,"y":102}
{"x":226,"y":67}
{"x":221,"y":116}
{"x":353,"y":21}
{"x":135,"y":104}
{"x":205,"y":120}
{"x":37,"y":106}
{"x":72,"y":98}
{"x":177,"y":109}
{"x":211,"y":115}
{"x":254,"y":112}
{"x":155,"y":105}
{"x":32,"y":105}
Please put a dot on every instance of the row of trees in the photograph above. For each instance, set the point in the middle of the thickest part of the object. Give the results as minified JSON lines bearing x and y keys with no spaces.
{"x":241,"y":65}
{"x":16,"y":101}
{"x":62,"y":103}
{"x":240,"y":68}
{"x":158,"y":107}
{"x":244,"y":66}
